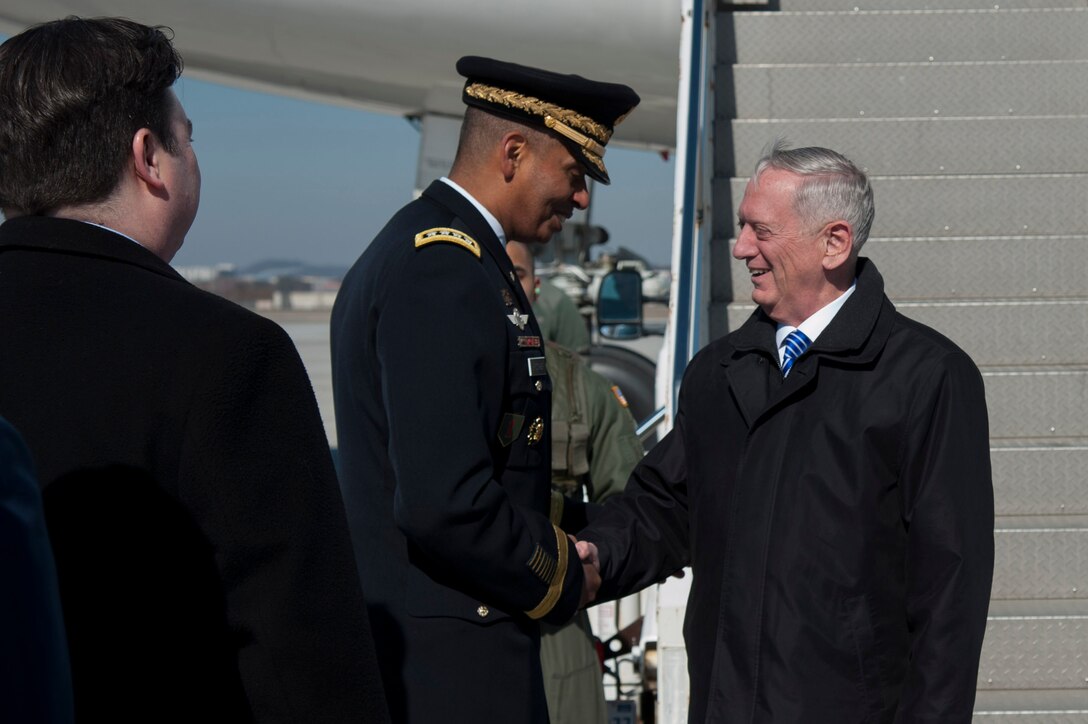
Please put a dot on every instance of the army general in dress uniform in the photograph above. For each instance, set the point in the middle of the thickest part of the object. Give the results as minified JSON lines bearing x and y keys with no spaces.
{"x":442,"y":406}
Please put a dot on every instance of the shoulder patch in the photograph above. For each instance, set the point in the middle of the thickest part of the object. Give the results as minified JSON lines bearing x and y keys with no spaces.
{"x":619,"y":395}
{"x":449,"y":236}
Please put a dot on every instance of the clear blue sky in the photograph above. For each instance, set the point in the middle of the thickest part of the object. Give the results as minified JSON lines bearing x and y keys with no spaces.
{"x":286,"y":178}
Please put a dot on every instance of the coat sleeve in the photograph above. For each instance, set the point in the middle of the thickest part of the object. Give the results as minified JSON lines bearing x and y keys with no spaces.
{"x":642,"y":535}
{"x":442,"y":349}
{"x":949,"y":513}
{"x":257,"y":472}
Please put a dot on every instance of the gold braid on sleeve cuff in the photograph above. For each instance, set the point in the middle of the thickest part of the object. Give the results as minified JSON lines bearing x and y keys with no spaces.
{"x":555,"y":587}
{"x":555,"y":513}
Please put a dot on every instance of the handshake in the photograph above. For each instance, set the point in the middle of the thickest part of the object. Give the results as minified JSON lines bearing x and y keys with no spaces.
{"x":591,"y":569}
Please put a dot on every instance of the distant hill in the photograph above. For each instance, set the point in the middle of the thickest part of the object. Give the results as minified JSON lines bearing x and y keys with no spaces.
{"x":269,"y":268}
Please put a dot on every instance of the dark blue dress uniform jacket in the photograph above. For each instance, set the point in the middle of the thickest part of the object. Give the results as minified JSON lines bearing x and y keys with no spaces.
{"x":839,"y":523}
{"x":442,"y":418}
{"x":35,"y":677}
{"x":202,"y":551}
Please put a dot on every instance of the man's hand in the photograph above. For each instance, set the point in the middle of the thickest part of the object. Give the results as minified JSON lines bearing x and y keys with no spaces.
{"x":592,"y":584}
{"x":587,"y":552}
{"x":591,"y":569}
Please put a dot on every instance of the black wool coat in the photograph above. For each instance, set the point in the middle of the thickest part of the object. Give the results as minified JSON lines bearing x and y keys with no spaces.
{"x":839,"y":523}
{"x":201,"y":545}
{"x":442,"y":412}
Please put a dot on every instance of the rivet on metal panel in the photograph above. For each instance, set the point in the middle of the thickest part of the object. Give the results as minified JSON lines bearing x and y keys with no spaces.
{"x":1017,"y":167}
{"x":936,"y":111}
{"x":861,"y":113}
{"x":1052,"y":429}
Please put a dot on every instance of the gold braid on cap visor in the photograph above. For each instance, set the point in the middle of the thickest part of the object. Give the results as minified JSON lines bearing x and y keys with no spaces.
{"x":563,"y":121}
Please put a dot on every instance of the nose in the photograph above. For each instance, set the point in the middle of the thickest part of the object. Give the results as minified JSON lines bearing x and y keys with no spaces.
{"x":744,"y":248}
{"x":580,"y":199}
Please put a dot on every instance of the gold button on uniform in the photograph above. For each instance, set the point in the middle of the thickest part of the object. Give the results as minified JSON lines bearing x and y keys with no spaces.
{"x":482,"y":611}
{"x":539,"y":385}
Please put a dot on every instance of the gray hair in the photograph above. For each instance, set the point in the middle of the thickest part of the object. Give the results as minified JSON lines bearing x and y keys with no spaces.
{"x":833,"y":188}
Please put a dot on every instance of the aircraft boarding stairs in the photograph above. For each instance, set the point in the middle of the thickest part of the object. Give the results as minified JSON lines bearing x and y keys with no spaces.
{"x":972,"y":118}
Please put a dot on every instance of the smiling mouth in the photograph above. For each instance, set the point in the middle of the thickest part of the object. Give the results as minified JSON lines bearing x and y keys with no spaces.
{"x":757,"y":272}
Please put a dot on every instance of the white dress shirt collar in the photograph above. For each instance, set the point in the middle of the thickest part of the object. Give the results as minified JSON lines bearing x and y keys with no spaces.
{"x":488,"y":216}
{"x":115,"y":231}
{"x":814,"y":325}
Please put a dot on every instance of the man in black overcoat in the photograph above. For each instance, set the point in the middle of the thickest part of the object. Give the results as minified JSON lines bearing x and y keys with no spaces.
{"x":442,"y":406}
{"x":202,"y":550}
{"x":827,"y":478}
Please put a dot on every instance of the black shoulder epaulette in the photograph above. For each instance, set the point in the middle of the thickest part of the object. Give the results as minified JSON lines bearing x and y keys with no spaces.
{"x":449,"y":236}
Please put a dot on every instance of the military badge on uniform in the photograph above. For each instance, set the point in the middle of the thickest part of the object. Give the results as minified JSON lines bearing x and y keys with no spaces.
{"x":529,"y":342}
{"x":538,"y":366}
{"x":507,"y":297}
{"x":536,"y":431}
{"x":619,"y":395}
{"x":510,"y":428}
{"x":519,"y":320}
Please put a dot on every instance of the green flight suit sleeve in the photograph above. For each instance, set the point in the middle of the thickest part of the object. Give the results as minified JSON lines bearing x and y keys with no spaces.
{"x":614,"y":447}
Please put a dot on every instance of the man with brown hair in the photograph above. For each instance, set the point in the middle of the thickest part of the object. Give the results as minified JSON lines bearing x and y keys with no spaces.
{"x":202,"y":550}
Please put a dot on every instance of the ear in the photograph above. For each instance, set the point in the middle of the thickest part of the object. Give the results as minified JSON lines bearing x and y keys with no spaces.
{"x":515,"y":149}
{"x":838,"y":244}
{"x":147,"y":158}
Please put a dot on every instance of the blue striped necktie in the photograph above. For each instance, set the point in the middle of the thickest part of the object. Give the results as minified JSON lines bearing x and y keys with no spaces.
{"x":796,"y":343}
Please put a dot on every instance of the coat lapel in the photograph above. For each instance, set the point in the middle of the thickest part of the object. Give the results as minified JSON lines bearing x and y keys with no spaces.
{"x":751,"y":359}
{"x":751,"y":398}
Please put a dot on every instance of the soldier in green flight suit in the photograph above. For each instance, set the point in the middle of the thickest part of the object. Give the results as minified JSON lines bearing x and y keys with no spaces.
{"x":594,"y":449}
{"x":559,"y":318}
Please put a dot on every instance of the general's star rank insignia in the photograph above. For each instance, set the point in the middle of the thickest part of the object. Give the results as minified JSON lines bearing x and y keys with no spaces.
{"x":518,"y":319}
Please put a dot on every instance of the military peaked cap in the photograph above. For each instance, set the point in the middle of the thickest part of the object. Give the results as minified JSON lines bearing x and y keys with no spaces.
{"x":581,"y":112}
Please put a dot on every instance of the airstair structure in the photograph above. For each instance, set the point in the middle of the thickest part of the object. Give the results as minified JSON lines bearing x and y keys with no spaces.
{"x":971,"y":117}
